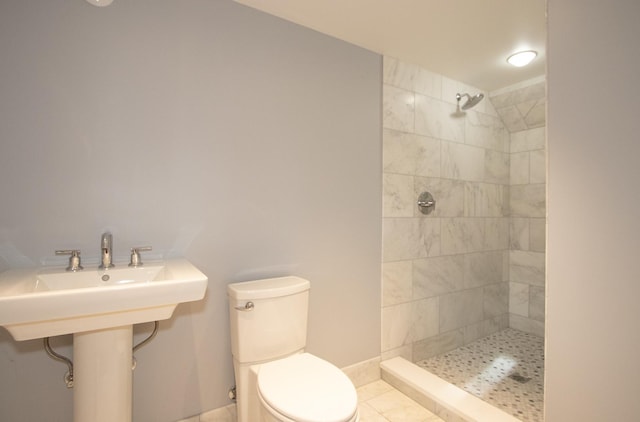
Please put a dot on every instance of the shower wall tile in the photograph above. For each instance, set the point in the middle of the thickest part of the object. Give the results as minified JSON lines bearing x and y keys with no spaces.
{"x":410,"y":154}
{"x":411,"y":77}
{"x":433,"y":118}
{"x":496,"y":167}
{"x":538,"y":167}
{"x":536,"y":302}
{"x":461,"y":235}
{"x":397,"y":282}
{"x":438,"y":344}
{"x":460,"y":309}
{"x":448,"y":194}
{"x":410,"y":238}
{"x":486,"y":131}
{"x":528,"y":200}
{"x":496,"y":234}
{"x":425,"y":319}
{"x":398,"y":109}
{"x":520,"y":234}
{"x":482,"y":269}
{"x":531,"y":92}
{"x":437,"y":276}
{"x":484,"y":200}
{"x":527,"y":325}
{"x":405,"y":352}
{"x":519,"y":171}
{"x":484,"y":328}
{"x":462,"y":162}
{"x":536,"y":117}
{"x":396,"y":326}
{"x":537,"y":234}
{"x":397,"y":195}
{"x":519,"y":299}
{"x":512,"y":119}
{"x":527,"y":267}
{"x":495,"y":300}
{"x":528,"y":140}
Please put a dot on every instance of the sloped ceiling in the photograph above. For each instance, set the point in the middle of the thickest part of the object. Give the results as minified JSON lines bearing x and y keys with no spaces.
{"x":466,"y":40}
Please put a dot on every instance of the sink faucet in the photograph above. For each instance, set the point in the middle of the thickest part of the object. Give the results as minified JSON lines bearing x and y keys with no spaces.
{"x":106,"y":244}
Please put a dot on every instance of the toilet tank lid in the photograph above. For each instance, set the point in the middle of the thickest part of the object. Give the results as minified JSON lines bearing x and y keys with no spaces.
{"x":267,"y":288}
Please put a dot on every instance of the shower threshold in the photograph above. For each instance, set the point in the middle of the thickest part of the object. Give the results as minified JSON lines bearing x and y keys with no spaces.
{"x":498,"y":378}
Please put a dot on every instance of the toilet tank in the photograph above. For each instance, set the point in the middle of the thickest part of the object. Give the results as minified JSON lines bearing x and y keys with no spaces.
{"x":276,"y":325}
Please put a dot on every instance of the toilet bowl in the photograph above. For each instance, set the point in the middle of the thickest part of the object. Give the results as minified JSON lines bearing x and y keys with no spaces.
{"x":305,"y":388}
{"x":276,"y":380}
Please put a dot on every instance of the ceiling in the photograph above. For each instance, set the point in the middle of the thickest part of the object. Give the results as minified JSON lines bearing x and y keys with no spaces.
{"x":466,"y":40}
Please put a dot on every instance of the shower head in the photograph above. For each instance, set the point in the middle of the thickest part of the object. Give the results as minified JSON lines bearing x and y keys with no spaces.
{"x":471,"y":101}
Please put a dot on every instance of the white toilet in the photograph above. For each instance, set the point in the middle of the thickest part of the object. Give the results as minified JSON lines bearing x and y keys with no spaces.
{"x":275,"y":379}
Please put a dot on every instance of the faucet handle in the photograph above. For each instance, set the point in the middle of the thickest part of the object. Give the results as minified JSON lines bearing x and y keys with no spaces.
{"x":135,"y":255}
{"x":74,"y":259}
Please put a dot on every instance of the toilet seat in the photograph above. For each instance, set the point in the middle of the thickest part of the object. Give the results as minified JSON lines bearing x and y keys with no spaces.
{"x":305,"y":388}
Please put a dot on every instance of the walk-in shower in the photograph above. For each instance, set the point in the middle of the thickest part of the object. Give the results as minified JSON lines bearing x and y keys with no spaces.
{"x":472,"y":269}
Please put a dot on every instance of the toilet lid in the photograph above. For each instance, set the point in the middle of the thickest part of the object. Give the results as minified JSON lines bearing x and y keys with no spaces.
{"x":306,"y":388}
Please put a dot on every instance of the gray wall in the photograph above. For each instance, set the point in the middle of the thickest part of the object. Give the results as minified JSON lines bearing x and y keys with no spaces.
{"x":208,"y":130}
{"x":593,"y":276}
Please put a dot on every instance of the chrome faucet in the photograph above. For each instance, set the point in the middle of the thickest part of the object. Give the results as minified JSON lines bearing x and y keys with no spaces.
{"x":106,"y":245}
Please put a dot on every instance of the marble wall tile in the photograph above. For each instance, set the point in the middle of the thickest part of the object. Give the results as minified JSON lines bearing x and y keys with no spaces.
{"x":411,"y":154}
{"x":459,"y":309}
{"x":486,"y":131}
{"x":484,"y":200}
{"x":528,"y":140}
{"x":486,"y":327}
{"x":398,"y":109}
{"x":496,"y":167}
{"x":538,"y":167}
{"x":433,"y":118}
{"x":410,"y":238}
{"x":398,"y":73}
{"x":527,"y":267}
{"x":397,"y":195}
{"x":405,"y":352}
{"x":496,"y":233}
{"x":528,"y":200}
{"x":536,"y":303}
{"x":536,"y":117}
{"x":537,"y":233}
{"x":519,"y":234}
{"x":519,"y":299}
{"x":396,"y":326}
{"x":519,"y":170}
{"x":523,"y":94}
{"x":428,"y":83}
{"x":397,"y":283}
{"x":482,"y":268}
{"x":512,"y":119}
{"x":435,"y":345}
{"x":462,"y":162}
{"x":448,"y":194}
{"x":495,"y":300}
{"x":425,"y":318}
{"x":437,"y":276}
{"x":460,"y":235}
{"x":527,"y":325}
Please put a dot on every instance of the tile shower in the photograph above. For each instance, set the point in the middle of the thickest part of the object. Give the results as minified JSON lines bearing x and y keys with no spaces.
{"x":475,"y":266}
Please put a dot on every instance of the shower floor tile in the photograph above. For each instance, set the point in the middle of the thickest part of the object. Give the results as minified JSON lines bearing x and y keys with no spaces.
{"x":505,"y":369}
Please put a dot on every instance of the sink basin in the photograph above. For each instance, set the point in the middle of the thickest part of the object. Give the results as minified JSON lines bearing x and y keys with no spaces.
{"x":48,"y":302}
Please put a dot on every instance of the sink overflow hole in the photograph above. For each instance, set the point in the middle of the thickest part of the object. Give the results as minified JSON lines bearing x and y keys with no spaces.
{"x":105,"y":277}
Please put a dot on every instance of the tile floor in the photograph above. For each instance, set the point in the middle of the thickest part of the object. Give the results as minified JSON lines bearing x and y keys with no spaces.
{"x":380,"y":402}
{"x":377,"y":402}
{"x":505,"y":369}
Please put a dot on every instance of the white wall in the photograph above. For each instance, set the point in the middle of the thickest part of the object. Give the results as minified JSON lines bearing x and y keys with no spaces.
{"x":593,"y":279}
{"x":205,"y":129}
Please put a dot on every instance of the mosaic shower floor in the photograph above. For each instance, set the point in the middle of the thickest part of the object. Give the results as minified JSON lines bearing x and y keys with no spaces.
{"x":505,"y":369}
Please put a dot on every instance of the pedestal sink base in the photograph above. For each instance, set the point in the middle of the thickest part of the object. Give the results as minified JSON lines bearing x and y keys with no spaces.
{"x":102,"y":375}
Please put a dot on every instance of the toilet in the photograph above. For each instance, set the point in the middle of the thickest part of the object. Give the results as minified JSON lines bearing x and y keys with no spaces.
{"x":276,"y":380}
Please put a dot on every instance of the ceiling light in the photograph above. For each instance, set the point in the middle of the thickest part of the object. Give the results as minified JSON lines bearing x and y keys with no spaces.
{"x":522,"y":58}
{"x":100,"y":3}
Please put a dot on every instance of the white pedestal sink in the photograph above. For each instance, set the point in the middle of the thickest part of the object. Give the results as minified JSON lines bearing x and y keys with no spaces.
{"x":99,"y":307}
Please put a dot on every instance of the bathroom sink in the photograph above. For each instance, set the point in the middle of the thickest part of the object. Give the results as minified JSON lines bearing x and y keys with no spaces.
{"x":47,"y":302}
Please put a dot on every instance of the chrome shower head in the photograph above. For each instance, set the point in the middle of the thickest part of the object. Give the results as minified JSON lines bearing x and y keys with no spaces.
{"x":471,"y":101}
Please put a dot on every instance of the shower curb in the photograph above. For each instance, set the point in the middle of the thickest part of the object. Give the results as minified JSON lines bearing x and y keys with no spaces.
{"x":440,"y":397}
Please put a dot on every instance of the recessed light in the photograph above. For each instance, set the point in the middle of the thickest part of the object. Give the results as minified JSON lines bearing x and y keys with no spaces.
{"x":522,"y":58}
{"x":100,"y":3}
